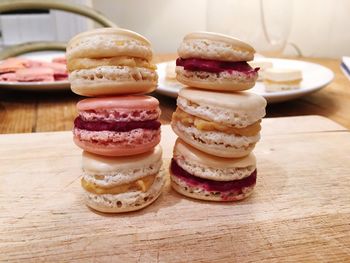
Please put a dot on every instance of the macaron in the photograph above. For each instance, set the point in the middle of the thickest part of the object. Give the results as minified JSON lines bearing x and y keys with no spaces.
{"x":262,"y":65}
{"x":117,"y":126}
{"x":279,"y":79}
{"x":110,"y":61}
{"x":13,"y":64}
{"x":201,"y":176}
{"x":10,"y":77}
{"x":223,"y":124}
{"x":122,"y":184}
{"x":216,"y":62}
{"x":35,"y":74}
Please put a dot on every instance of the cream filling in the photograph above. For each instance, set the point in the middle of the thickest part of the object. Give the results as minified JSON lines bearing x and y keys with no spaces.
{"x":142,"y":185}
{"x":218,"y":138}
{"x":113,"y":73}
{"x":288,"y":82}
{"x":205,"y":125}
{"x":120,"y":176}
{"x":88,"y":63}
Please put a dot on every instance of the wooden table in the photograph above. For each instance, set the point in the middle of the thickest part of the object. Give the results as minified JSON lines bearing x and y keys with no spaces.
{"x":299,"y":211}
{"x":23,"y":112}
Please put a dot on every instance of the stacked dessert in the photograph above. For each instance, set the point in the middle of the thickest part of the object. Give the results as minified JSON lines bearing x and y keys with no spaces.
{"x":119,"y":132}
{"x":218,"y":124}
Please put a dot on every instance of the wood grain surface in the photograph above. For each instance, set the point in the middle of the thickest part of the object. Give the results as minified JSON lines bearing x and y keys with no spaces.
{"x":299,"y":212}
{"x":55,"y":111}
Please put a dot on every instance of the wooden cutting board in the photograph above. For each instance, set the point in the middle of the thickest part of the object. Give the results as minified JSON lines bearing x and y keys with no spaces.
{"x":300,"y":210}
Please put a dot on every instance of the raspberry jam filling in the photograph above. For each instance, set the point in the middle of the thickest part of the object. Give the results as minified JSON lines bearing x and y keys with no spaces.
{"x":210,"y":185}
{"x":215,"y":66}
{"x":120,"y":126}
{"x":60,"y":76}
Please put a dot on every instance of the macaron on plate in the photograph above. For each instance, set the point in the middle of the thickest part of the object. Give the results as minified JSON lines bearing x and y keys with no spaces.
{"x":315,"y":77}
{"x":37,"y":79}
{"x":214,"y":61}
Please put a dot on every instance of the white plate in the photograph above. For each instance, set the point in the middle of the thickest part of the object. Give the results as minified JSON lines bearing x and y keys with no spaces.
{"x":315,"y":77}
{"x":38,"y":86}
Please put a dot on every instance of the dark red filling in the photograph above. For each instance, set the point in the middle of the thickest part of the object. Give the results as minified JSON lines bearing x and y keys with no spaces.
{"x":216,"y":66}
{"x":60,"y":76}
{"x":210,"y":185}
{"x":120,"y":126}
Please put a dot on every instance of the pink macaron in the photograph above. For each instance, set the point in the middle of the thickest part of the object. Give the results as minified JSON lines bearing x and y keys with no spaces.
{"x":117,"y":126}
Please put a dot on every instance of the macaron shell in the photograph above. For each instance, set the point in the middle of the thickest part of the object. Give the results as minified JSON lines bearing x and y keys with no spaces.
{"x":200,"y":194}
{"x":216,"y":83}
{"x":113,"y":80}
{"x":126,"y":202}
{"x":214,"y":46}
{"x":109,"y":42}
{"x":233,"y":117}
{"x":99,"y":207}
{"x":219,"y":38}
{"x":211,"y":148}
{"x":241,"y":101}
{"x":127,"y":34}
{"x":122,"y":88}
{"x":202,"y":165}
{"x":98,"y":164}
{"x":116,"y":149}
{"x":130,"y":102}
{"x":191,"y":154}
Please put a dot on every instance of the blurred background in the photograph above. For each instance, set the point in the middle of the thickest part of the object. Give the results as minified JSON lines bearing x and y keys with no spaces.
{"x":308,"y":36}
{"x":314,"y":28}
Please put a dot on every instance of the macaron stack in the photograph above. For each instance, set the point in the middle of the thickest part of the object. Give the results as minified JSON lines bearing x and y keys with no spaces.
{"x":118,"y":129}
{"x":217,"y":122}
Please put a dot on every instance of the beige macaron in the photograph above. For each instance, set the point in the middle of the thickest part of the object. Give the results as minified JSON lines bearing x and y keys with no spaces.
{"x":219,"y":123}
{"x":201,"y":176}
{"x":122,"y":184}
{"x":280,"y":79}
{"x":216,"y":47}
{"x":110,"y":61}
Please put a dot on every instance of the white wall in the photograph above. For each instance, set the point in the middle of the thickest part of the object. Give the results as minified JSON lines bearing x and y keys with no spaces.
{"x":319,"y":27}
{"x":163,"y":22}
{"x":54,"y":26}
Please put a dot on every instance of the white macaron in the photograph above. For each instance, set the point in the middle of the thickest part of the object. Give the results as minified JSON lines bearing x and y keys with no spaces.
{"x":219,"y":123}
{"x":122,"y":184}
